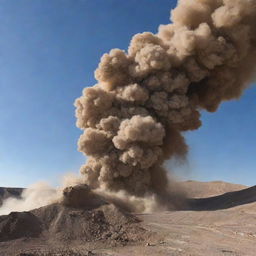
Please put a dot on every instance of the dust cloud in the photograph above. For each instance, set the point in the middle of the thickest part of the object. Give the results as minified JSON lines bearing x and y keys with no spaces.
{"x":38,"y":195}
{"x":134,"y":117}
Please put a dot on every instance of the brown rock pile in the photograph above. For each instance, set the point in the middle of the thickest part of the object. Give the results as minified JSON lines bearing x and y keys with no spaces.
{"x":19,"y":224}
{"x":82,"y":216}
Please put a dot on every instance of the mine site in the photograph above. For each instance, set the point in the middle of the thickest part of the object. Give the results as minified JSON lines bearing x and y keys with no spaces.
{"x":152,"y":153}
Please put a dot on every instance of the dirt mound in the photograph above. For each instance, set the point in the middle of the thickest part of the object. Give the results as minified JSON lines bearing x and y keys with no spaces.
{"x":105,"y":223}
{"x":19,"y":224}
{"x":89,"y":220}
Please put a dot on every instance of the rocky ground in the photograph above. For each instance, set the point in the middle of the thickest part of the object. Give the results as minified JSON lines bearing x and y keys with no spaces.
{"x":223,"y":224}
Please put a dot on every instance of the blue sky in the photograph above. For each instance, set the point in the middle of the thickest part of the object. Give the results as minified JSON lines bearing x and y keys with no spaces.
{"x":49,"y":50}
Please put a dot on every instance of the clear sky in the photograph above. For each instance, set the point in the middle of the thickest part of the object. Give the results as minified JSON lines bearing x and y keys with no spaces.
{"x":49,"y":50}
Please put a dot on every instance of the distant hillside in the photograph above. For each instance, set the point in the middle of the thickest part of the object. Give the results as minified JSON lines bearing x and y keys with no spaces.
{"x":197,"y":189}
{"x":9,"y":192}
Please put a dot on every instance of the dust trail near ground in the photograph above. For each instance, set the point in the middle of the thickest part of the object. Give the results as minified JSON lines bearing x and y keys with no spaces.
{"x":145,"y":98}
{"x":38,"y":195}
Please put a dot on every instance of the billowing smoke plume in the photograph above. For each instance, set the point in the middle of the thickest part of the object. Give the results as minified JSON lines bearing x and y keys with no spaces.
{"x":133,"y":118}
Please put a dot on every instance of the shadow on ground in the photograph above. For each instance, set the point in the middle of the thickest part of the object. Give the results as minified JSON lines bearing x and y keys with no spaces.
{"x":225,"y":201}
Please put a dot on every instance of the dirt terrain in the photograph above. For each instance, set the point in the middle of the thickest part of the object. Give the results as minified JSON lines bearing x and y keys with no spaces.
{"x":218,"y":225}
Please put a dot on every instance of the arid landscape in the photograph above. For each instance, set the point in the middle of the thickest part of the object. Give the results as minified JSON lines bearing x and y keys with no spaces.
{"x":221,"y":222}
{"x":134,"y":115}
